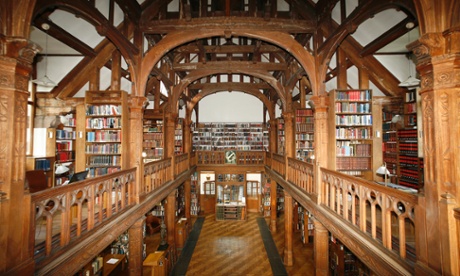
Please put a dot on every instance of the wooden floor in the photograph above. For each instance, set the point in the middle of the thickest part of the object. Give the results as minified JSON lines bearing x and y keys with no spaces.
{"x":236,"y":248}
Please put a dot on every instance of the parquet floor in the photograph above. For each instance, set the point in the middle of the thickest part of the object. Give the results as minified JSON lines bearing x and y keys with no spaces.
{"x":236,"y":248}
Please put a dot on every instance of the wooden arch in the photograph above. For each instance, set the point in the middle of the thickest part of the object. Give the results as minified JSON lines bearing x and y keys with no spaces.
{"x":198,"y":74}
{"x":241,"y":87}
{"x":175,"y":39}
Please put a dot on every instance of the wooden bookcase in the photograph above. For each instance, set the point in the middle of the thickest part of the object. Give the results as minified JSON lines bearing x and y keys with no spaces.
{"x":390,"y":146}
{"x":281,"y":136}
{"x":178,"y":139}
{"x":44,"y":153}
{"x":105,"y":129}
{"x":194,"y":195}
{"x":229,"y":136}
{"x":304,"y":135}
{"x":153,"y":143}
{"x":65,"y":148}
{"x":351,"y":146}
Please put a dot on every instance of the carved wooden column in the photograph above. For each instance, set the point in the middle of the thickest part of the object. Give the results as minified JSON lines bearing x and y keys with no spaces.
{"x":135,"y":143}
{"x":321,"y":249}
{"x":16,"y":57}
{"x":289,"y":134}
{"x":136,"y":247}
{"x":273,"y":140}
{"x":170,"y":217}
{"x":437,"y":61}
{"x":273,"y":206}
{"x":288,"y":216}
{"x":169,"y":137}
{"x":321,"y":136}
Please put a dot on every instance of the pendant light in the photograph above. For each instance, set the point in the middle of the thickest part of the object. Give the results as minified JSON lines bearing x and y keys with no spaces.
{"x":45,"y":81}
{"x":410,"y":81}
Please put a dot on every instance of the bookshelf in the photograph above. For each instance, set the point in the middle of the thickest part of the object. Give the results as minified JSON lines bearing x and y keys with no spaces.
{"x":153,"y":143}
{"x":352,"y":119}
{"x":180,"y":202}
{"x":410,"y":109}
{"x":305,"y":225}
{"x":178,"y":139}
{"x":194,"y":195}
{"x":390,"y":145}
{"x":65,"y":148}
{"x":281,"y":137}
{"x":105,"y":122}
{"x":266,"y":200}
{"x":304,"y":135}
{"x":229,"y":136}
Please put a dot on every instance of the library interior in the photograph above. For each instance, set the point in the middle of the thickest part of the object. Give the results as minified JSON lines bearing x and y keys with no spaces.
{"x":230,"y":137}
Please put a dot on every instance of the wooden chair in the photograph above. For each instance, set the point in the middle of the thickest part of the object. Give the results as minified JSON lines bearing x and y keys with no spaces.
{"x":36,"y":180}
{"x":153,"y":224}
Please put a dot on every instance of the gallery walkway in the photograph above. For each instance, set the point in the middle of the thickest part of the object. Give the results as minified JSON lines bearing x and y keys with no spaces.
{"x":240,"y":248}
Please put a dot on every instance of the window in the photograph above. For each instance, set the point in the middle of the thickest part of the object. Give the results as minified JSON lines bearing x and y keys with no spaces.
{"x":209,"y":188}
{"x":253,"y":188}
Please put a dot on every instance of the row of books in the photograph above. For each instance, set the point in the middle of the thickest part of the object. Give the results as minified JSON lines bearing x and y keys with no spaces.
{"x":153,"y":136}
{"x":64,"y":145}
{"x":389,"y":136}
{"x":111,"y":148}
{"x":43,"y":164}
{"x":411,"y":96}
{"x":102,"y":110}
{"x":354,"y":95}
{"x":65,"y":156}
{"x":350,"y":107}
{"x":99,"y":123}
{"x":305,"y":127}
{"x":153,"y":129}
{"x":354,"y":164}
{"x":304,"y":144}
{"x":353,"y":133}
{"x":105,"y":160}
{"x":304,"y":112}
{"x":93,"y":172}
{"x":65,"y":134}
{"x":354,"y":150}
{"x":152,"y":144}
{"x":353,"y":120}
{"x":103,"y":136}
{"x":229,"y":147}
{"x":304,"y":136}
{"x":309,"y":119}
{"x":410,"y":107}
{"x":154,"y":152}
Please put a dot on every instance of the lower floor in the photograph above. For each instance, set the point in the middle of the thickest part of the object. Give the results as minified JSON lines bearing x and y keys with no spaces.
{"x":236,"y":248}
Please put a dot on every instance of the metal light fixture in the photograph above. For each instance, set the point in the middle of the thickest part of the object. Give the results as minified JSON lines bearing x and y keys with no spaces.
{"x":59,"y":169}
{"x":396,"y":118}
{"x":410,"y":81}
{"x":45,"y":81}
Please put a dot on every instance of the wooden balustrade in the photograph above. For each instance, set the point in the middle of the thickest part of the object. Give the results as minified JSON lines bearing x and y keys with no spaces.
{"x":301,"y":174}
{"x":242,"y":158}
{"x":181,"y":163}
{"x":62,"y":214}
{"x":384,"y":213}
{"x":156,"y":173}
{"x":279,"y":164}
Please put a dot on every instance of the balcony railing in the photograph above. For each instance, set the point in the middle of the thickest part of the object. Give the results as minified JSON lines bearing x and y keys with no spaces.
{"x":242,"y":158}
{"x":156,"y":173}
{"x":64,"y":213}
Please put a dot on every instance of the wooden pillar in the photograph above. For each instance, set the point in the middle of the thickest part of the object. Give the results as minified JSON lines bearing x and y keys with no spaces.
{"x":136,"y":247}
{"x":94,"y":79}
{"x":170,"y":217}
{"x":273,"y":206}
{"x":273,"y":132}
{"x":135,"y":143}
{"x":289,"y":134}
{"x":16,"y":256}
{"x":321,"y":249}
{"x":288,"y":215}
{"x":437,"y":61}
{"x":321,"y":136}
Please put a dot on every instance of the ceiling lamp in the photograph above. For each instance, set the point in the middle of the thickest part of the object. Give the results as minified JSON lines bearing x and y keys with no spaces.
{"x":45,"y":81}
{"x":410,"y":81}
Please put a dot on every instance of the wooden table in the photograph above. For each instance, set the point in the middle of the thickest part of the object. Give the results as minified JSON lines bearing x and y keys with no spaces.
{"x":107,"y":268}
